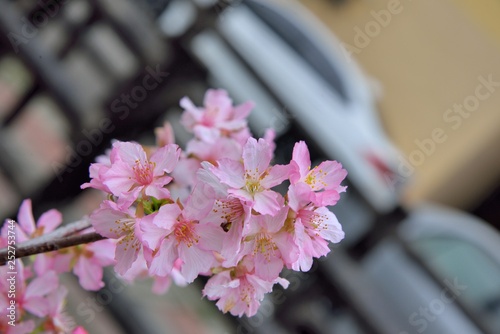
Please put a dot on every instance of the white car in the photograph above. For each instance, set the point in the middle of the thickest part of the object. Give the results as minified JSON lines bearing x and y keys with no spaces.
{"x":430,"y":270}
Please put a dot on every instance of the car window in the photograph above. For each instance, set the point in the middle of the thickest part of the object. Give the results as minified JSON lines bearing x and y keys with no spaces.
{"x":300,"y":43}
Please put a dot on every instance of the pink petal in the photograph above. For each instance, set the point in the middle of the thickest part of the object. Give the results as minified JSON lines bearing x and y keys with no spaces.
{"x":211,"y":236}
{"x":283,"y":282}
{"x":230,"y":172}
{"x":79,"y":330}
{"x":42,"y":285}
{"x":301,"y":156}
{"x":127,"y":251}
{"x":219,"y":100}
{"x":152,"y":234}
{"x":277,"y":174}
{"x":267,"y":202}
{"x":163,"y":262}
{"x":218,"y":285}
{"x":164,"y":135}
{"x":55,"y":301}
{"x":158,"y":192}
{"x":167,"y":216}
{"x":89,"y":273}
{"x":25,"y":217}
{"x":195,"y":261}
{"x":119,"y":178}
{"x":256,"y":157}
{"x":244,"y":196}
{"x":109,"y":222}
{"x":332,"y":173}
{"x":165,"y":158}
{"x":273,"y":224}
{"x":36,"y":305}
{"x":129,"y":152}
{"x":299,"y":195}
{"x":330,"y":229}
{"x":206,"y":134}
{"x":288,"y":249}
{"x":205,"y":175}
{"x":243,"y":110}
{"x":268,"y":268}
{"x":200,"y":202}
{"x":50,"y":220}
{"x":231,"y":244}
{"x":104,"y":251}
{"x":325,"y":198}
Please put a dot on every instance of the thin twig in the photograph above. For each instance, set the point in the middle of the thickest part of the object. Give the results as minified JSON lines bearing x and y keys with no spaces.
{"x":41,"y":245}
{"x":63,"y":231}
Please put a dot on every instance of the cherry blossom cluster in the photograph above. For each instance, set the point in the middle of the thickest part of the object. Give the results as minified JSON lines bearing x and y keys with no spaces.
{"x":32,"y":300}
{"x":213,"y":209}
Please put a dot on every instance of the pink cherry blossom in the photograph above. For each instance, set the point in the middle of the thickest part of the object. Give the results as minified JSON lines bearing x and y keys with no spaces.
{"x":172,"y":215}
{"x":174,"y":236}
{"x":161,"y":284}
{"x":98,"y":169}
{"x":323,"y":180}
{"x":252,"y":180}
{"x":47,"y":222}
{"x":219,"y":149}
{"x":86,"y":261}
{"x":270,"y":245}
{"x":134,"y":173}
{"x":217,"y":117}
{"x":312,"y":227}
{"x":56,"y":320}
{"x":30,"y":296}
{"x":114,"y":222}
{"x":238,"y":290}
{"x":89,"y":261}
{"x":233,"y":216}
{"x":164,"y":135}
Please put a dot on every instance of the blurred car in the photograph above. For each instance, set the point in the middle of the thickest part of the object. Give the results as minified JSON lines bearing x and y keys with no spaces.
{"x":433,"y":272}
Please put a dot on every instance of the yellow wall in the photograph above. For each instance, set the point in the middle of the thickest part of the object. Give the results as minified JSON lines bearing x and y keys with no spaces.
{"x":429,"y":57}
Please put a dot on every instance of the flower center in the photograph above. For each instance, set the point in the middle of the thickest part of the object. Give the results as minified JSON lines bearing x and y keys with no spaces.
{"x":123,"y":226}
{"x":143,"y":173}
{"x":315,"y":179}
{"x":184,"y":232}
{"x":253,"y":186}
{"x":231,"y":210}
{"x":265,"y":246}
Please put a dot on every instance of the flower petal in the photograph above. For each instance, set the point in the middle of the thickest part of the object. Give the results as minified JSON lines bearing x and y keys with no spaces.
{"x":50,"y":220}
{"x":89,"y":273}
{"x":256,"y":157}
{"x":301,"y":156}
{"x":230,"y":172}
{"x":25,"y":217}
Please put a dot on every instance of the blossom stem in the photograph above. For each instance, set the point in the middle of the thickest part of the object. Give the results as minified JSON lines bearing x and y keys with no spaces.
{"x":42,"y":245}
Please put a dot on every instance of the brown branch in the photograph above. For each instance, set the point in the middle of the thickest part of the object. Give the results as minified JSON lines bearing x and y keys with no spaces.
{"x":42,"y":245}
{"x":63,"y":231}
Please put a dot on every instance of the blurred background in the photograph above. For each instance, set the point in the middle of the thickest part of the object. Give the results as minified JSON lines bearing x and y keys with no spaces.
{"x":405,"y":94}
